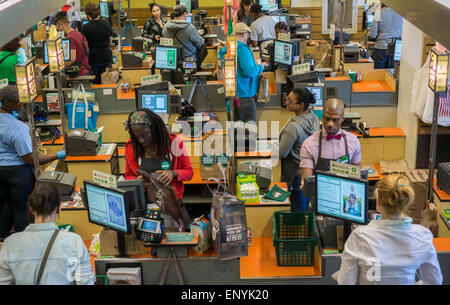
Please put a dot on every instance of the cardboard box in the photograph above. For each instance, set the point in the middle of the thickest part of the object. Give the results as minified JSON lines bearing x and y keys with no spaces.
{"x":108,"y":244}
{"x":202,"y":227}
{"x":110,"y":77}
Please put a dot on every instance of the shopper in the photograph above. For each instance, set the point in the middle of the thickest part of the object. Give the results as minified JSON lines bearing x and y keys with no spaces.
{"x":384,"y":31}
{"x":154,"y":26}
{"x":296,"y":131}
{"x":262,"y":30}
{"x":331,"y":143}
{"x":79,"y":52}
{"x":16,"y":163}
{"x":243,"y":14}
{"x":8,"y":60}
{"x":153,"y":150}
{"x":390,"y":251}
{"x":247,"y":73}
{"x":98,"y":33}
{"x":183,"y":33}
{"x":68,"y":261}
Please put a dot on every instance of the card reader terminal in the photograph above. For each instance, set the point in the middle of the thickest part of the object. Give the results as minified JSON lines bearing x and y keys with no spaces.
{"x":150,"y":228}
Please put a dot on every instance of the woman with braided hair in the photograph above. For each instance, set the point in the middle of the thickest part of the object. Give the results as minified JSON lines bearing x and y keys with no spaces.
{"x":153,"y":150}
{"x":391,"y":250}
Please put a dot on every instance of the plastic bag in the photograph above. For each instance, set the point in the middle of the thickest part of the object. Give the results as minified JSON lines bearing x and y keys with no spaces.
{"x":263,"y":91}
{"x":81,"y":114}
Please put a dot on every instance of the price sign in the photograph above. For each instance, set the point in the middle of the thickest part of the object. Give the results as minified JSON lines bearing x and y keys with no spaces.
{"x":347,"y":170}
{"x":104,"y":179}
{"x":168,"y":42}
{"x":299,"y":69}
{"x":284,"y":37}
{"x":150,"y":79}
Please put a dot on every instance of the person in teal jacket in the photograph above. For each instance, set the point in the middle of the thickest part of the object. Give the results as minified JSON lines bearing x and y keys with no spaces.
{"x":247,"y":74}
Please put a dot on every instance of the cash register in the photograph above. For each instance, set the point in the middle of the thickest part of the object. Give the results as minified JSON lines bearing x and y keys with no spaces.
{"x":81,"y":142}
{"x":132,"y":59}
{"x":65,"y":182}
{"x":351,"y":53}
{"x":263,"y":174}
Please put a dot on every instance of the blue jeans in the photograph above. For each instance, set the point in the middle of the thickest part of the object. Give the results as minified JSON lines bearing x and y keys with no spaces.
{"x":16,"y":184}
{"x":380,"y":58}
{"x":247,"y":109}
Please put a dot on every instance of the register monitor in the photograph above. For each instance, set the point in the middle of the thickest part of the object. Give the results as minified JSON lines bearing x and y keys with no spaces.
{"x":317,"y":89}
{"x":342,"y":197}
{"x":136,"y":187}
{"x":66,"y":49}
{"x":104,"y":9}
{"x":398,"y":50}
{"x":189,"y":18}
{"x":108,"y":207}
{"x":154,"y":101}
{"x":283,"y":53}
{"x":166,"y":58}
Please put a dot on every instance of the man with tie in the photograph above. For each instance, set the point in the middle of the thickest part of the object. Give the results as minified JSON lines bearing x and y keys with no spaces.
{"x":331,"y":143}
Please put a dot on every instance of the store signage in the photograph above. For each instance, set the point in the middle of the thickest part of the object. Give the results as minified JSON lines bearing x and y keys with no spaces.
{"x":438,"y":71}
{"x":26,"y":82}
{"x":230,"y":77}
{"x":104,"y":179}
{"x":168,"y":42}
{"x":347,"y":170}
{"x":150,"y":79}
{"x":223,"y":159}
{"x":299,"y":69}
{"x":208,"y":160}
{"x":284,"y":37}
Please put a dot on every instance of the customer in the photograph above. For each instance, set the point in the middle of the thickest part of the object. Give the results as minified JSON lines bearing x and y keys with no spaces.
{"x":8,"y":60}
{"x":280,"y":27}
{"x":16,"y":163}
{"x":22,"y":253}
{"x":98,"y":33}
{"x":243,"y":14}
{"x":296,"y":131}
{"x":331,"y":143}
{"x":384,"y":31}
{"x":247,"y":73}
{"x":154,"y":26}
{"x":79,"y":54}
{"x":152,"y":150}
{"x":393,"y":246}
{"x":262,"y":30}
{"x":183,"y":32}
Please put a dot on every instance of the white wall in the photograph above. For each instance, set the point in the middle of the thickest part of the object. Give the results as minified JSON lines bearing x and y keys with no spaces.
{"x":411,"y":61}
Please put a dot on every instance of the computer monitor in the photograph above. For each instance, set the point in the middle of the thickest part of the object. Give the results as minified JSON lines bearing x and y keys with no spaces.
{"x":283,"y":18}
{"x":342,"y":197}
{"x":136,"y":187}
{"x":154,"y":101}
{"x":283,"y":53}
{"x":275,"y":18}
{"x":166,"y":58}
{"x":189,"y":19}
{"x":317,"y":91}
{"x":108,"y":207}
{"x":104,"y":9}
{"x":66,"y":50}
{"x":398,"y":50}
{"x":267,"y":7}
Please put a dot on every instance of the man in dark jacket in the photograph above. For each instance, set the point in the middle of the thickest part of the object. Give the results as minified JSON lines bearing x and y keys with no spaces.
{"x":182,"y":32}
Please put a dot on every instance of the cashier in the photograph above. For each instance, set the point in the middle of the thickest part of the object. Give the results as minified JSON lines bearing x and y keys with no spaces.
{"x":9,"y":59}
{"x":16,"y":164}
{"x":331,"y":143}
{"x":152,"y":149}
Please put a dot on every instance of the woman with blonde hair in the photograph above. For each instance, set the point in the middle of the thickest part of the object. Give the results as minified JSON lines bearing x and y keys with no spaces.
{"x":391,"y":250}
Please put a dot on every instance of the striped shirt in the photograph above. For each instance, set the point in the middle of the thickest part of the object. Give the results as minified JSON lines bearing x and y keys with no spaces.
{"x":333,"y":149}
{"x":389,"y":27}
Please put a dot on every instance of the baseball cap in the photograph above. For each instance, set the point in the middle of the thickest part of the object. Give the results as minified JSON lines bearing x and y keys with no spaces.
{"x":241,"y":28}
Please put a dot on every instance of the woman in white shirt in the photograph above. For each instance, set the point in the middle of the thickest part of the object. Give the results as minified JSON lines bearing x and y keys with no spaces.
{"x":21,"y":255}
{"x":389,"y":251}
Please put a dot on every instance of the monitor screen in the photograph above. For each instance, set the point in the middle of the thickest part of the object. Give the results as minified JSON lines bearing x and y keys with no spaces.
{"x":342,"y":197}
{"x":283,"y":53}
{"x":166,"y":58}
{"x":276,"y":19}
{"x":107,"y":207}
{"x":283,"y":19}
{"x":268,"y":5}
{"x":104,"y":9}
{"x":155,"y":102}
{"x":398,"y":50}
{"x":136,"y":187}
{"x":317,"y":91}
{"x":66,"y":50}
{"x":189,"y":18}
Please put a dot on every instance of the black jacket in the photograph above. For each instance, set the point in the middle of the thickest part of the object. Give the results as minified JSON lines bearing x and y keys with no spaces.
{"x":152,"y":28}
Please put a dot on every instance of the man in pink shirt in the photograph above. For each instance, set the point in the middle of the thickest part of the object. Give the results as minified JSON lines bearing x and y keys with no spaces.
{"x":331,"y":143}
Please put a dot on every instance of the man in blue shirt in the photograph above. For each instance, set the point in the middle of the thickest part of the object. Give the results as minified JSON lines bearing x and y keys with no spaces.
{"x":247,"y":73}
{"x":384,"y":31}
{"x":16,"y":164}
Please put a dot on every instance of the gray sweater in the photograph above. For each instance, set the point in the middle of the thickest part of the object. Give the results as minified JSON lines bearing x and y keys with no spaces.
{"x":296,"y":131}
{"x":185,"y":34}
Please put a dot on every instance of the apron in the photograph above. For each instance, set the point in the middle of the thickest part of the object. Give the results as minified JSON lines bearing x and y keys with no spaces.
{"x":152,"y":165}
{"x":324,"y":164}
